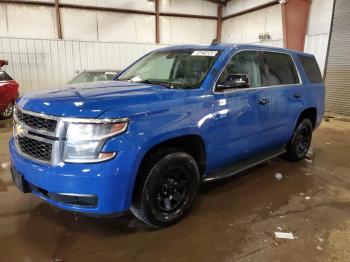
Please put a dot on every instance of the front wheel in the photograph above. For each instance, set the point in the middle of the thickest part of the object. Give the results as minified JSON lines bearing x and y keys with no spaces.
{"x":301,"y":141}
{"x":8,"y":112}
{"x":167,"y":189}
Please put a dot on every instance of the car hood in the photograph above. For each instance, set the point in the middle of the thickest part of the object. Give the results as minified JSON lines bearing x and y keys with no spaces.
{"x":91,"y":100}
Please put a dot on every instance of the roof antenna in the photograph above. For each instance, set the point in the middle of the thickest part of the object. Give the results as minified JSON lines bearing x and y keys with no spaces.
{"x":215,"y":41}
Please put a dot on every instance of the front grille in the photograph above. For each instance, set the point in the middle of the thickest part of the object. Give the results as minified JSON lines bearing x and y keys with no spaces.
{"x":34,"y":148}
{"x":36,"y":122}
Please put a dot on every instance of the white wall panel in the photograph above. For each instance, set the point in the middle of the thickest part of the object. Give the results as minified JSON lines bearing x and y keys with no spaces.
{"x":235,"y":6}
{"x":3,"y":21}
{"x":175,"y":30}
{"x":143,"y":5}
{"x":208,"y":31}
{"x":210,"y":8}
{"x":316,"y":40}
{"x":107,"y":26}
{"x":126,"y":27}
{"x":79,"y":2}
{"x":320,"y":17}
{"x":252,"y":25}
{"x":232,"y":30}
{"x":194,"y":7}
{"x":317,"y":45}
{"x":246,"y":28}
{"x":79,"y":24}
{"x":145,"y":29}
{"x":273,"y":23}
{"x":31,"y":21}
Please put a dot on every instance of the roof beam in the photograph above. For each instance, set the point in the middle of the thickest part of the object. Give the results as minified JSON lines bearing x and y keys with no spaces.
{"x":58,"y":19}
{"x":157,"y":22}
{"x":219,"y":24}
{"x":219,"y":2}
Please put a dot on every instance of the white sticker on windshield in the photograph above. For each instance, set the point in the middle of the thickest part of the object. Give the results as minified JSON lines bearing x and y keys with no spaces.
{"x":204,"y":53}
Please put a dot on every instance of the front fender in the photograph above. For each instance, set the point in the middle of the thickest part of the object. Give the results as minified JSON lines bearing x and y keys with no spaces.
{"x":147,"y":130}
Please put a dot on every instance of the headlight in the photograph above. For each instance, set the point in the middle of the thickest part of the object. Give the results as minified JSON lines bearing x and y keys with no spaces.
{"x":85,"y":140}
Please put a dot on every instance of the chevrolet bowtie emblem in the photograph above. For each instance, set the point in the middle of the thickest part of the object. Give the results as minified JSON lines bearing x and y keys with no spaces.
{"x":19,"y":130}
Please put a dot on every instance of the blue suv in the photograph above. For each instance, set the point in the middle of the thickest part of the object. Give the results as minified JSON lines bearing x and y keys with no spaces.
{"x":175,"y":118}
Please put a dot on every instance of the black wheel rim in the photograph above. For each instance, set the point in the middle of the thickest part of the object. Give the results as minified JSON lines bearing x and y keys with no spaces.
{"x":173,"y":191}
{"x":303,"y":140}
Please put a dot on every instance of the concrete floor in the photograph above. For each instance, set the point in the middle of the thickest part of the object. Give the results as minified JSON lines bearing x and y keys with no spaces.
{"x":234,"y":220}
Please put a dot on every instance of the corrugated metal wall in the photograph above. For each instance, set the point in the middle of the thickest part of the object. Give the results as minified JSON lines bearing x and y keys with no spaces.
{"x":337,"y":77}
{"x":41,"y":64}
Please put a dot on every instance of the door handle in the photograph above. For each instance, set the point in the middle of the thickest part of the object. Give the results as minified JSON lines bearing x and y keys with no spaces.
{"x":263,"y":101}
{"x":297,"y":95}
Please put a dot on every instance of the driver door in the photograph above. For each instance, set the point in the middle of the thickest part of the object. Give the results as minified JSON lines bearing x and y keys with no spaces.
{"x":243,"y":129}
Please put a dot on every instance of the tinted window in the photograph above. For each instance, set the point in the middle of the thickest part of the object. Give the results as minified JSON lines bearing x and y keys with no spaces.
{"x":278,"y":69}
{"x":245,"y":62}
{"x":4,"y":76}
{"x":311,"y":69}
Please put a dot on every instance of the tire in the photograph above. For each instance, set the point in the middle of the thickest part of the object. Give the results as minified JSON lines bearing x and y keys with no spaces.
{"x":301,"y":140}
{"x":8,"y":112}
{"x":166,"y":189}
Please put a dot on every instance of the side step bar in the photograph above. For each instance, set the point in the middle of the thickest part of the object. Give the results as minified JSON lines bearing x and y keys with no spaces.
{"x":243,"y":165}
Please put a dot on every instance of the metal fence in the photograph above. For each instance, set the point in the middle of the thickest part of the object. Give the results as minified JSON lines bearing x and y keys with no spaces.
{"x":42,"y":64}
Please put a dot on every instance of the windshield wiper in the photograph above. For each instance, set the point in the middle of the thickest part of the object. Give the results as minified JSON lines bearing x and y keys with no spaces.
{"x":170,"y":85}
{"x":183,"y":85}
{"x":153,"y":82}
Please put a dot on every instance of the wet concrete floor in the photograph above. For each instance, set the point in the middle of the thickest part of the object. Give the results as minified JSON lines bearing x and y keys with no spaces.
{"x":233,"y":220}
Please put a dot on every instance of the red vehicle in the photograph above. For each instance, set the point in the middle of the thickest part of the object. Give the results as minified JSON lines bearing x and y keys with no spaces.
{"x":8,"y":92}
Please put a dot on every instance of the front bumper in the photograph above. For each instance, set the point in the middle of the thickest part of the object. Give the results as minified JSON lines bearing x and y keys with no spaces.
{"x":110,"y":183}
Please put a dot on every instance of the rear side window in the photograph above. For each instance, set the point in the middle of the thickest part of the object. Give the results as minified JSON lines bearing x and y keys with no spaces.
{"x":311,"y":68}
{"x":278,"y":69}
{"x":4,"y":76}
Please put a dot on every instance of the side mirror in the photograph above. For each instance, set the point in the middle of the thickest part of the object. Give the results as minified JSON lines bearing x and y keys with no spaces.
{"x":3,"y":63}
{"x":235,"y":81}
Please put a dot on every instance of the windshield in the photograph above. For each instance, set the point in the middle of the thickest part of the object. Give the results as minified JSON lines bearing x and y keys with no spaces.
{"x":86,"y":76}
{"x":173,"y":69}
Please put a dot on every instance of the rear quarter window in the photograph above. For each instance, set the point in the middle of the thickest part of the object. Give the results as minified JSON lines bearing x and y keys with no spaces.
{"x":278,"y":69}
{"x":311,"y":69}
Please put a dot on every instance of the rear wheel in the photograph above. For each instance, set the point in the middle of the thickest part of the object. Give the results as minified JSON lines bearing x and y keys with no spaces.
{"x":8,"y":112}
{"x":301,"y":141}
{"x":167,"y":189}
